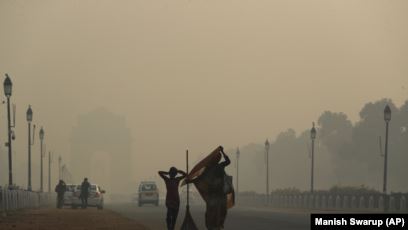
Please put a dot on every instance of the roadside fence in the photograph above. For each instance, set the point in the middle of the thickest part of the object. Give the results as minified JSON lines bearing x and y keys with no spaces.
{"x":15,"y":199}
{"x":395,"y":203}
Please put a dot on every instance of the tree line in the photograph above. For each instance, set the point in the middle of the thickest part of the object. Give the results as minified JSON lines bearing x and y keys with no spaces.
{"x":347,"y":153}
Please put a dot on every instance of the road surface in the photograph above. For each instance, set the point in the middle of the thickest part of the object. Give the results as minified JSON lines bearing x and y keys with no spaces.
{"x":238,"y":218}
{"x":66,"y":219}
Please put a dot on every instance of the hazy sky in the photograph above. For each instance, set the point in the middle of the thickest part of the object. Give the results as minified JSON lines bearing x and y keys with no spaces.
{"x":198,"y":73}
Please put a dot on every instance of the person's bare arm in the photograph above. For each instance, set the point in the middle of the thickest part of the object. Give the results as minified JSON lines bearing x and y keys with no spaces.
{"x":163,"y":174}
{"x":227,"y":160}
{"x":183,"y":174}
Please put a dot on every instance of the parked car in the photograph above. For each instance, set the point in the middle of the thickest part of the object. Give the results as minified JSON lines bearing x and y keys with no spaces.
{"x":148,"y":193}
{"x":95,"y":198}
{"x":69,"y":193}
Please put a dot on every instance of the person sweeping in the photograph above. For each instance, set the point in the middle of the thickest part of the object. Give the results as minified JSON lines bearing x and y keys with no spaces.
{"x":172,"y":196}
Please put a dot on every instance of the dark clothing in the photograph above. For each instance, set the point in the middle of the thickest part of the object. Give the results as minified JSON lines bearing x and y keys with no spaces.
{"x":171,"y":218}
{"x":172,"y":196}
{"x":172,"y":201}
{"x":84,"y":201}
{"x":216,"y":212}
{"x":60,"y":201}
{"x":60,"y":190}
{"x":216,"y":186}
{"x":216,"y":206}
{"x":85,"y":187}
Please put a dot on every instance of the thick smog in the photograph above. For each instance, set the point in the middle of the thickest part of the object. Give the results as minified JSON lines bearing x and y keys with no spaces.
{"x":193,"y":114}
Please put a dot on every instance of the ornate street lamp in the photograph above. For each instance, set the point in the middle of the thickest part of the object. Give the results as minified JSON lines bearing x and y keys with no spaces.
{"x":267,"y":146}
{"x":29,"y":114}
{"x":49,"y":171}
{"x":387,"y":119}
{"x":8,"y":86}
{"x":41,"y":159}
{"x":312,"y":137}
{"x":59,"y":168}
{"x":238,"y":153}
{"x":30,"y":143}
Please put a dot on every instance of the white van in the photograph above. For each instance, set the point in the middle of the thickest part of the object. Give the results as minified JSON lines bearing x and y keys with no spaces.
{"x":148,"y":193}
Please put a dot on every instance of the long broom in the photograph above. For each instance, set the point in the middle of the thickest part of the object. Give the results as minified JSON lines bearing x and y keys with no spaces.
{"x":188,"y":223}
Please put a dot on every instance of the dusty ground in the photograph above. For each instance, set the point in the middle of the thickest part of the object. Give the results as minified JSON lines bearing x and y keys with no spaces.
{"x":67,"y":219}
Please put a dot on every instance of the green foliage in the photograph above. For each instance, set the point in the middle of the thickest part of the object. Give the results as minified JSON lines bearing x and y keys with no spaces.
{"x":346,"y":152}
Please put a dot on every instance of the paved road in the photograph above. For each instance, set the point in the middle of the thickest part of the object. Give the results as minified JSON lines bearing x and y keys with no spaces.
{"x":67,"y":219}
{"x":238,"y":218}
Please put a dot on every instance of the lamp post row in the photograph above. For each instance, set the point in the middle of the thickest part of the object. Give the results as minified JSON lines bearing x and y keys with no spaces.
{"x":8,"y":86}
{"x":313,"y":133}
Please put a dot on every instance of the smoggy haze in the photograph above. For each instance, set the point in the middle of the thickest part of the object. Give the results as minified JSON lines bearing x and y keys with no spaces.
{"x":197,"y":73}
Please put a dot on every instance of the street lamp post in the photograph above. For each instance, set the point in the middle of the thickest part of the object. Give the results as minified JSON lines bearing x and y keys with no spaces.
{"x":41,"y":159}
{"x":49,"y":171}
{"x":312,"y":137}
{"x":59,"y":168}
{"x":267,"y":145}
{"x":63,"y":172}
{"x":238,"y":153}
{"x":387,"y":119}
{"x":30,"y":143}
{"x":8,"y":86}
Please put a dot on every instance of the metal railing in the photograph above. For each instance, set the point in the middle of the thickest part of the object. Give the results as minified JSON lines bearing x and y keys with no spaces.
{"x":394,"y":203}
{"x":15,"y":199}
